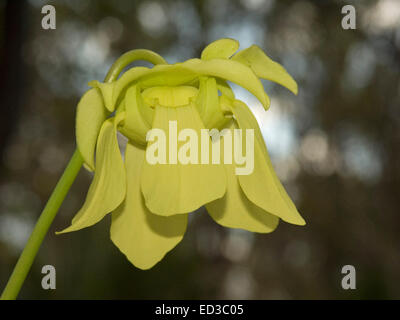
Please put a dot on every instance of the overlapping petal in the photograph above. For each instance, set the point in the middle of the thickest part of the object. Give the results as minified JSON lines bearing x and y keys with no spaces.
{"x":159,"y":75}
{"x":90,"y":115}
{"x":262,"y":186}
{"x":234,"y":210}
{"x":106,"y":89}
{"x":208,"y":105}
{"x":142,"y":236}
{"x":173,"y":187}
{"x":182,"y":73}
{"x":108,"y":187}
{"x":138,"y":116}
{"x":264,"y":67}
{"x":220,"y":49}
{"x":230,"y":70}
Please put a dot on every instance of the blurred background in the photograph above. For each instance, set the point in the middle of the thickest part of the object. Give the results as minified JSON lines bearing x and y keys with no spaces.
{"x":335,"y":147}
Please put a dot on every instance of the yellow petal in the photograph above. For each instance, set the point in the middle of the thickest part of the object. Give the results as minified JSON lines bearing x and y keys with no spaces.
{"x":174,"y":187}
{"x":159,"y":75}
{"x":90,"y":115}
{"x":225,"y":89}
{"x":109,"y":183}
{"x":264,"y":67}
{"x":168,"y":96}
{"x":167,"y":75}
{"x":234,"y":210}
{"x":142,"y":236}
{"x":106,"y":91}
{"x":183,"y":73}
{"x":208,"y":105}
{"x":138,"y":116}
{"x":262,"y":187}
{"x":231,"y":71}
{"x":220,"y":49}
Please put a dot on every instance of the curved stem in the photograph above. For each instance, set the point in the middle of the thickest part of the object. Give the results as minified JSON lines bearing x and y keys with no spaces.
{"x":133,"y":55}
{"x":49,"y":212}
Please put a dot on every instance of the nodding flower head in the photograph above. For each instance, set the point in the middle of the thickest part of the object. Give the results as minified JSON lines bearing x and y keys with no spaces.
{"x":150,"y":197}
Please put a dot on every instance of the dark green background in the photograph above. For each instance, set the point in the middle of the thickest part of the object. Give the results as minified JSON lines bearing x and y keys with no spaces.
{"x":335,"y":147}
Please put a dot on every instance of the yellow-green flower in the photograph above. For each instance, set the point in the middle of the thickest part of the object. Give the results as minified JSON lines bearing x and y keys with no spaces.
{"x":150,"y":202}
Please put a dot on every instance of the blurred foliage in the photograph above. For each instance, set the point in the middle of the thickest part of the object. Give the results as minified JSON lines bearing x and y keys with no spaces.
{"x":335,"y":146}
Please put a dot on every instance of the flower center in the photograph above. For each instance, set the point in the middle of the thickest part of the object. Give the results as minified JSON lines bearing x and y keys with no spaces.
{"x":169,"y":96}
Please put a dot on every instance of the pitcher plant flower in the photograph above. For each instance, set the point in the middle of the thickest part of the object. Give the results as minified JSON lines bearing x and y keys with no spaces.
{"x":150,"y":202}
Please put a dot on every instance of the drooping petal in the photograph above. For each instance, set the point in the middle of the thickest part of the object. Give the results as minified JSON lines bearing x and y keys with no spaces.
{"x":174,"y":187}
{"x":90,"y":115}
{"x":106,"y":89}
{"x":139,"y":116}
{"x":262,"y":186}
{"x":225,"y":89}
{"x":232,"y":71}
{"x":264,"y":67}
{"x":234,"y":210}
{"x":207,"y":104}
{"x":159,"y":75}
{"x":171,"y":75}
{"x":183,"y":73}
{"x":220,"y":49}
{"x":142,"y":236}
{"x":108,"y":187}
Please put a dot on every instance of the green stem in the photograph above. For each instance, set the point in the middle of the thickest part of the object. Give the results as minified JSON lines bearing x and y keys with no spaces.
{"x":49,"y":212}
{"x":129,"y":57}
{"x":42,"y":226}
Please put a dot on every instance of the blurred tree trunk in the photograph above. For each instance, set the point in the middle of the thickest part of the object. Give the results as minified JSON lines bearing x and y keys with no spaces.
{"x":10,"y":69}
